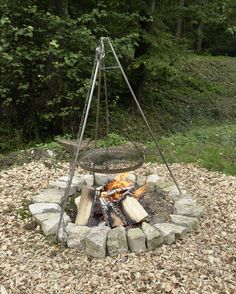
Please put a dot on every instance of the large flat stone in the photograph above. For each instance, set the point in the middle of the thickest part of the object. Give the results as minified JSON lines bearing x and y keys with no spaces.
{"x":141,"y":180}
{"x":117,"y":241}
{"x":62,"y":185}
{"x":75,"y":180}
{"x":136,"y":240}
{"x":188,"y":207}
{"x":131,"y":177}
{"x":153,"y":237}
{"x":49,"y":222}
{"x":101,"y":179}
{"x":171,"y":193}
{"x":63,"y":232}
{"x":191,"y":223}
{"x":162,"y":184}
{"x":77,"y":235}
{"x":166,"y":232}
{"x":49,"y":196}
{"x":88,"y":179}
{"x":42,"y":207}
{"x":78,"y":181}
{"x":170,"y":232}
{"x":95,"y":242}
{"x":151,"y":182}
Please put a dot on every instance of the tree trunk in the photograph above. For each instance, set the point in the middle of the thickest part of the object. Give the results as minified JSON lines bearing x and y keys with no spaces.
{"x":200,"y":27}
{"x":59,"y":6}
{"x":179,"y":22}
{"x":200,"y":35}
{"x":142,"y":49}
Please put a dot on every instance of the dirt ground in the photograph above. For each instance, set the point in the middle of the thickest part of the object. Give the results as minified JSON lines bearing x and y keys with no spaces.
{"x":204,"y":262}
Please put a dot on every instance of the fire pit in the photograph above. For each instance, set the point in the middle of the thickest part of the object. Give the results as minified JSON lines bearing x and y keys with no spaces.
{"x":103,"y":222}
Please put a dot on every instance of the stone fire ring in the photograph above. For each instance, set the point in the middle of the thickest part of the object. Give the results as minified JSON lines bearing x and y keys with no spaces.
{"x":101,"y":240}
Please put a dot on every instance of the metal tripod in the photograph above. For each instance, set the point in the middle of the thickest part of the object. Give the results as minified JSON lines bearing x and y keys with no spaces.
{"x":98,"y":66}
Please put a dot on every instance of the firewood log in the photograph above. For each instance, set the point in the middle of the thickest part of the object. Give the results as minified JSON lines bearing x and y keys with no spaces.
{"x":84,"y":207}
{"x":132,"y":209}
{"x":114,"y":219}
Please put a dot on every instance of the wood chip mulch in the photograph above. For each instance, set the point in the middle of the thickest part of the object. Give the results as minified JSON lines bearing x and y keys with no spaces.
{"x":204,"y":262}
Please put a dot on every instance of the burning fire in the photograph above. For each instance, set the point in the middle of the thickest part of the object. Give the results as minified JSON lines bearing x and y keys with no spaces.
{"x":119,"y":185}
{"x":140,"y":191}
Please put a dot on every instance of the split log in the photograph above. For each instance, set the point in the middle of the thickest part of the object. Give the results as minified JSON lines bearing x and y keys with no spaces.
{"x":110,"y":216}
{"x":85,"y":205}
{"x":132,"y":209}
{"x":114,"y":219}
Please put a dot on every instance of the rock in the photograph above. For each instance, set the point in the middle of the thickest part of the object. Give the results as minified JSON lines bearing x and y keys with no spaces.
{"x":88,"y":180}
{"x":136,"y":240}
{"x":117,"y":241}
{"x":169,"y":190}
{"x":153,"y":236}
{"x":155,"y":218}
{"x":95,"y":242}
{"x":172,"y":193}
{"x":131,"y":177}
{"x":80,"y":183}
{"x":63,"y":234}
{"x":51,"y":153}
{"x":167,"y":234}
{"x":62,"y":185}
{"x":38,"y":208}
{"x":191,"y":223}
{"x":75,"y":179}
{"x":188,"y":207}
{"x":162,"y":184}
{"x":141,"y":180}
{"x":151,"y":182}
{"x":77,"y":235}
{"x":101,"y":179}
{"x":49,"y":222}
{"x":171,"y":231}
{"x":49,"y":196}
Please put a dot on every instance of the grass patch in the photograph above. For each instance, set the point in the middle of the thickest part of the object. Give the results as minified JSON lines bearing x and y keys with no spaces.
{"x":211,"y":147}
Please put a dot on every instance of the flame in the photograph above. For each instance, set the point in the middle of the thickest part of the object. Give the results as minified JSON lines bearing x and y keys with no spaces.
{"x":120,"y":181}
{"x":121,"y":177}
{"x":140,"y":191}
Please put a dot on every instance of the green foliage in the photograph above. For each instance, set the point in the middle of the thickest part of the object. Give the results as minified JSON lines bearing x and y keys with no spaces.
{"x":46,"y":61}
{"x":46,"y":56}
{"x":41,"y":76}
{"x":192,"y":88}
{"x":211,"y":147}
{"x":112,"y":140}
{"x":24,"y":212}
{"x":54,"y":146}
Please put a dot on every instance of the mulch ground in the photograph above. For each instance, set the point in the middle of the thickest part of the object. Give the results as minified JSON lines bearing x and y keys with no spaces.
{"x":204,"y":262}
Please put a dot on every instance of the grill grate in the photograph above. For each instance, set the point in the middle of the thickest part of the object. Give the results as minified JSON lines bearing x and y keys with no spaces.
{"x":111,"y":160}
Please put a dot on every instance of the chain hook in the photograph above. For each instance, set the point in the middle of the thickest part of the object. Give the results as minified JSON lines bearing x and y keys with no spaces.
{"x":100,"y":51}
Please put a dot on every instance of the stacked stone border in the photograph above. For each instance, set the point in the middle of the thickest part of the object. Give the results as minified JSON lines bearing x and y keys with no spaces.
{"x":101,"y":240}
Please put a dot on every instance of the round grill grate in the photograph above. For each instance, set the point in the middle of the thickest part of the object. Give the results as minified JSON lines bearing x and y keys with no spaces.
{"x":111,"y":160}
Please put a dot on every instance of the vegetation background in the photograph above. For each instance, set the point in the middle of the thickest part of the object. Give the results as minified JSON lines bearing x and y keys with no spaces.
{"x":178,"y":55}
